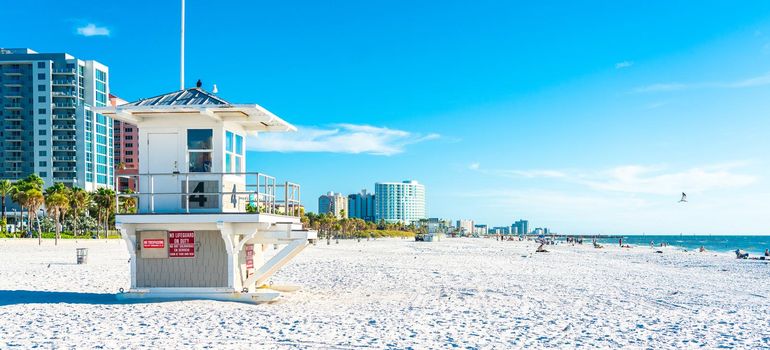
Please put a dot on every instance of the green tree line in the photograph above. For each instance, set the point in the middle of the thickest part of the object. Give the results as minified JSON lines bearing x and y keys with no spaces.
{"x":330,"y":227}
{"x":68,"y":209}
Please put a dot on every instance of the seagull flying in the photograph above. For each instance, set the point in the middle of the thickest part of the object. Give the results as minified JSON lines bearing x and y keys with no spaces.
{"x":684,"y":198}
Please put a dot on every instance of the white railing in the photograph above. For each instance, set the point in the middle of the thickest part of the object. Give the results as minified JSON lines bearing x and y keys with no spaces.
{"x":178,"y":193}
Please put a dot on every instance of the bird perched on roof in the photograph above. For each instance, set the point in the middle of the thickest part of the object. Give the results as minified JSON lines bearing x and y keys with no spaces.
{"x":198,"y":84}
{"x":684,"y":198}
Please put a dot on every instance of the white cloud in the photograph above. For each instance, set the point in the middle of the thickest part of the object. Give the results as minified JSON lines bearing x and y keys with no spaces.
{"x":760,"y":80}
{"x":644,"y":179}
{"x":342,"y":138}
{"x":474,"y":166}
{"x":91,"y":29}
{"x":624,"y":64}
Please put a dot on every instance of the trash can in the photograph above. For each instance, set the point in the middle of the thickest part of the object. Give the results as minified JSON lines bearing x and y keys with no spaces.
{"x":82,"y":255}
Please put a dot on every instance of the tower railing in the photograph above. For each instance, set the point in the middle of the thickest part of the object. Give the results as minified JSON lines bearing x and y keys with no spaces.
{"x":185,"y":193}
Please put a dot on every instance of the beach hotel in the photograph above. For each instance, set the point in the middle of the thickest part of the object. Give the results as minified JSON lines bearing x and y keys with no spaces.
{"x":203,"y":225}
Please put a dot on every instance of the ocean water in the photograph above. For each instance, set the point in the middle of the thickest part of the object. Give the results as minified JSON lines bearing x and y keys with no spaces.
{"x":754,"y":245}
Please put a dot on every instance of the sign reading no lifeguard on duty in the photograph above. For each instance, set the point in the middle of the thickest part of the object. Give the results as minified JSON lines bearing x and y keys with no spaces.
{"x":181,"y":244}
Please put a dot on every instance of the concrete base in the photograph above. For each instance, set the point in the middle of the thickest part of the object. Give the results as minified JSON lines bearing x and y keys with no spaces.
{"x":178,"y":294}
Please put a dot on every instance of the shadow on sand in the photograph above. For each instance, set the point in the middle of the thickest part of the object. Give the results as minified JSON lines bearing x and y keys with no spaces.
{"x":15,"y":297}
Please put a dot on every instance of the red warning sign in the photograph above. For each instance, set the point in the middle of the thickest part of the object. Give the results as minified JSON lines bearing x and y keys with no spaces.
{"x":249,"y":256}
{"x":153,"y":243}
{"x":181,"y":244}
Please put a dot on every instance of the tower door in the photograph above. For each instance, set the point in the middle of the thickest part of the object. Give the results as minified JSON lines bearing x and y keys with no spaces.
{"x":163,"y":161}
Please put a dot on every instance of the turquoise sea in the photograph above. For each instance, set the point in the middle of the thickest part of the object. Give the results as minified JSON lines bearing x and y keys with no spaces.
{"x":754,"y":245}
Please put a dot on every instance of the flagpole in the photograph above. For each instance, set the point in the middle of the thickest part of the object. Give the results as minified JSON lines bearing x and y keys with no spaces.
{"x":181,"y":56}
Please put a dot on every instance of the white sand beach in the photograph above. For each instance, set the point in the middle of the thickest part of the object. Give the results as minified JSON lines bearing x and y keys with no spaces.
{"x":467,"y":293}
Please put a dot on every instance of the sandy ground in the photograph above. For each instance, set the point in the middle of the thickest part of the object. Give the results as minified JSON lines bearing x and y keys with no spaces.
{"x":466,"y":293}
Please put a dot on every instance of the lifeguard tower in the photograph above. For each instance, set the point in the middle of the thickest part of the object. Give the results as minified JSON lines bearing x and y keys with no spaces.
{"x":202,"y":224}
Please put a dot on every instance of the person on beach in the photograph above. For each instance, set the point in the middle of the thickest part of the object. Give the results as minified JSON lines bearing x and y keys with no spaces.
{"x":702,"y":249}
{"x":620,"y":242}
{"x":767,"y":252}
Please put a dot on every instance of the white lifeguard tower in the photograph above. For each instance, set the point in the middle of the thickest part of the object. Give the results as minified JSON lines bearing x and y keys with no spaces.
{"x":203,"y":224}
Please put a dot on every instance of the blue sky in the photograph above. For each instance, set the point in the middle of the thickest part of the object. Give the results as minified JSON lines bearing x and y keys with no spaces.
{"x":586,"y":117}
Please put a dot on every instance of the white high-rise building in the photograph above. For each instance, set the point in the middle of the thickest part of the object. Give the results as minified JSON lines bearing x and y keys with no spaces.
{"x":399,"y":201}
{"x":48,"y":124}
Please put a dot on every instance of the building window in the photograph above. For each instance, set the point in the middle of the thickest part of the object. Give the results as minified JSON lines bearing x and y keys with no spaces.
{"x":128,"y":137}
{"x":41,"y":65}
{"x":42,"y":153}
{"x":41,"y":143}
{"x":199,"y":150}
{"x":41,"y":111}
{"x":41,"y":99}
{"x":129,"y":153}
{"x":42,"y":164}
{"x":41,"y":88}
{"x":41,"y":132}
{"x":41,"y":121}
{"x":129,"y":145}
{"x":43,"y":174}
{"x":41,"y":76}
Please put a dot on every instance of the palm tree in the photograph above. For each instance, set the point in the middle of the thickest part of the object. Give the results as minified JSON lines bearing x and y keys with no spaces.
{"x":337,"y":226}
{"x":79,"y":201}
{"x":34,"y":200}
{"x":20,"y":197}
{"x":6,"y":189}
{"x":326,"y":222}
{"x":56,"y":203}
{"x":105,"y":201}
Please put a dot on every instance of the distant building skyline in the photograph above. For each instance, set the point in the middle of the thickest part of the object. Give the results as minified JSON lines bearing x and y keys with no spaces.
{"x":520,"y":227}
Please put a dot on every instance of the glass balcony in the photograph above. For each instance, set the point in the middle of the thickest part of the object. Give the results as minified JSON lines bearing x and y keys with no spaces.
{"x":64,"y":82}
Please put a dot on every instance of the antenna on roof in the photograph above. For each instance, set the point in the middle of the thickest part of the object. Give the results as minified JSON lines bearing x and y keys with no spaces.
{"x":181,"y":54}
{"x":198,"y":84}
{"x":215,"y":90}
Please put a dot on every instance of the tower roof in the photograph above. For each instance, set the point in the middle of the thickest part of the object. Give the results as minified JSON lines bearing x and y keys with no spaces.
{"x":188,"y":97}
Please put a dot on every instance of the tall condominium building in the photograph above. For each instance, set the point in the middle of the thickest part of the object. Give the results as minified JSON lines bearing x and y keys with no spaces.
{"x":126,"y":150}
{"x":361,"y":206}
{"x":335,"y":203}
{"x":47,"y":125}
{"x":399,"y":202}
{"x":520,"y":227}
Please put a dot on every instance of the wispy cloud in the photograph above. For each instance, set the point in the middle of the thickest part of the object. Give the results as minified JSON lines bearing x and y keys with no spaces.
{"x":91,"y":29}
{"x":760,"y":80}
{"x":624,"y":64}
{"x":642,"y":179}
{"x":658,"y":180}
{"x":341,"y":138}
{"x":514,"y":173}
